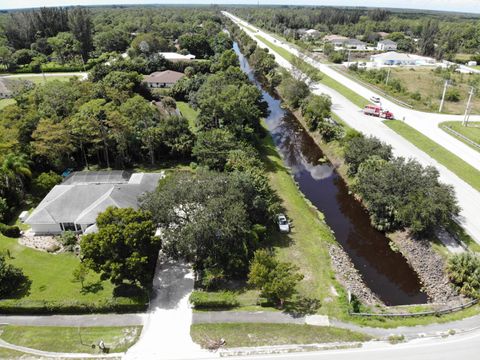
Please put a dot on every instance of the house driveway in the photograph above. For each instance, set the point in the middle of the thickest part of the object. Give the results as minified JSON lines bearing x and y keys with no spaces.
{"x":166,"y":331}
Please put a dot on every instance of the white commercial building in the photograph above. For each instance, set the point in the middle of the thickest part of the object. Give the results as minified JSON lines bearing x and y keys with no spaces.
{"x":393,"y":58}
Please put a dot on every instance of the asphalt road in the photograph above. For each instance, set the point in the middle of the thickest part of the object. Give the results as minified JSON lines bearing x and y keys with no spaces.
{"x":468,"y":197}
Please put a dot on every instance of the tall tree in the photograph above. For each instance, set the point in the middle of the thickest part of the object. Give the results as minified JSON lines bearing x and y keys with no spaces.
{"x":80,"y":24}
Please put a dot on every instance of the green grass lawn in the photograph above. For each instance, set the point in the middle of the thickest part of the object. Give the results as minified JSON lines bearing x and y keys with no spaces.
{"x":71,"y":339}
{"x":259,"y":334}
{"x":451,"y":161}
{"x":307,"y":244}
{"x":5,"y":102}
{"x":472,"y":131}
{"x":189,"y":113}
{"x":43,"y":79}
{"x":326,"y":80}
{"x":51,"y":277}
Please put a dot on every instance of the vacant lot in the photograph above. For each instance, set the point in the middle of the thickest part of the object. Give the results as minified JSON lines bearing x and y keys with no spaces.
{"x":6,"y":102}
{"x":71,"y":339}
{"x":52,"y":283}
{"x":429,"y":84}
{"x":188,"y":113}
{"x":471,"y":132}
{"x":239,"y":335}
{"x":39,"y":79}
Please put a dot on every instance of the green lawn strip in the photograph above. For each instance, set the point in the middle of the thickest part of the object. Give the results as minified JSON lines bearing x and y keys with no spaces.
{"x":5,"y":102}
{"x":43,"y":79}
{"x":260,"y":334}
{"x":249,"y":28}
{"x":308,"y":242}
{"x":471,"y":132}
{"x":71,"y":339}
{"x":451,"y":161}
{"x":51,"y":277}
{"x":326,"y":80}
{"x":189,"y":113}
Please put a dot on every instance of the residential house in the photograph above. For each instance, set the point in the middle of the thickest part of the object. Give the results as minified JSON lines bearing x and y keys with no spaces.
{"x":335,"y":40}
{"x":393,"y":58}
{"x":311,"y":34}
{"x":75,"y":204}
{"x":162,"y":79}
{"x":387,"y":45}
{"x":354,"y":44}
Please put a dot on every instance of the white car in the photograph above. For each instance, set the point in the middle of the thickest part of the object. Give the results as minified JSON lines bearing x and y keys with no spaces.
{"x":375,"y":99}
{"x":283,"y":224}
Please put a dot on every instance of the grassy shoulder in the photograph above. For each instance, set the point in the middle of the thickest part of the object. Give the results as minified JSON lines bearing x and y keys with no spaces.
{"x":71,"y":339}
{"x":307,"y":243}
{"x":6,"y":102}
{"x":52,"y":286}
{"x":259,"y":334}
{"x":188,"y":113}
{"x":451,"y":161}
{"x":326,"y":80}
{"x":471,"y":132}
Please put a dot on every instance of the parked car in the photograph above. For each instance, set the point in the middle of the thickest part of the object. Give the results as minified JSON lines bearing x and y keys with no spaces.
{"x":283,"y":224}
{"x":375,"y":99}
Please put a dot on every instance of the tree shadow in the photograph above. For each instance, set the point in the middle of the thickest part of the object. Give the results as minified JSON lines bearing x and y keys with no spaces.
{"x":301,"y":306}
{"x":92,"y":288}
{"x":129,"y":291}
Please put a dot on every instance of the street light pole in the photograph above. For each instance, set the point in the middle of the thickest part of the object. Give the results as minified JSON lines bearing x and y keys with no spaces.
{"x":443,"y":96}
{"x":468,"y":108}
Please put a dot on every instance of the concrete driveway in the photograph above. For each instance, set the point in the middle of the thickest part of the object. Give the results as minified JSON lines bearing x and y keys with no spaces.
{"x":166,"y":331}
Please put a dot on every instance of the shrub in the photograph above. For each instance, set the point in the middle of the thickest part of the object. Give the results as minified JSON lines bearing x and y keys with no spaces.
{"x":68,"y":239}
{"x":464,"y":272}
{"x":3,"y":209}
{"x":213,"y":300}
{"x":212,"y":278}
{"x":416,"y":96}
{"x":452,"y":95}
{"x":11,"y":231}
{"x":12,"y":279}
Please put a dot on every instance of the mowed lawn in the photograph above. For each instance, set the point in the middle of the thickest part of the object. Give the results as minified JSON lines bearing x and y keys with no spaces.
{"x":308,"y":242}
{"x":51,"y":277}
{"x":471,"y":132}
{"x":451,"y":161}
{"x":71,"y":339}
{"x":259,"y":334}
{"x":188,"y":113}
{"x":326,"y":80}
{"x":5,"y":102}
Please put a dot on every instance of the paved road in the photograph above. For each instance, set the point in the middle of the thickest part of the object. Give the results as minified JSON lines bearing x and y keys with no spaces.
{"x":246,"y":316}
{"x":166,"y":332}
{"x":75,"y":320}
{"x":82,"y":75}
{"x":468,"y":197}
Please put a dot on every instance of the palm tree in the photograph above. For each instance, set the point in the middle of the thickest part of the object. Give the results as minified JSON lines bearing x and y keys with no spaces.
{"x":464,"y":271}
{"x":15,"y":169}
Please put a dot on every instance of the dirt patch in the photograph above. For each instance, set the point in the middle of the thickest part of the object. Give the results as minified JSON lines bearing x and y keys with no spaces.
{"x":430,"y":267}
{"x":350,"y":278}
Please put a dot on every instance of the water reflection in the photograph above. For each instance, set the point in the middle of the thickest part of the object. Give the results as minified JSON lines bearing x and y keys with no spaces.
{"x":383,"y":270}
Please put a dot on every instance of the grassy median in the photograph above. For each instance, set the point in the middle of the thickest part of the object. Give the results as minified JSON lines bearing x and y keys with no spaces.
{"x":259,"y":334}
{"x":471,"y":132}
{"x":462,"y":169}
{"x":71,"y":339}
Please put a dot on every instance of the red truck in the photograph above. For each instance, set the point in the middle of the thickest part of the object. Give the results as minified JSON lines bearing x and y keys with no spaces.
{"x":376,"y":110}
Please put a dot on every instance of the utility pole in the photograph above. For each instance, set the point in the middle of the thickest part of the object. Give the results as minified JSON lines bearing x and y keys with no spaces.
{"x":468,"y":109}
{"x":443,"y":96}
{"x":388,"y":76}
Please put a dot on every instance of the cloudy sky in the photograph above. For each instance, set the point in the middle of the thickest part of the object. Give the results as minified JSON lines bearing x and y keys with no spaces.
{"x":451,"y":5}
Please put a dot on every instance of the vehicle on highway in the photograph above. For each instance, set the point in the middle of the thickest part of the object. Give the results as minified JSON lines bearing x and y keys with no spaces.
{"x":375,"y":99}
{"x":376,"y":110}
{"x":283,"y":224}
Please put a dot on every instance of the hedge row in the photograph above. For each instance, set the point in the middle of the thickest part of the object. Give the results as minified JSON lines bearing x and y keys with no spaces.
{"x":29,"y":307}
{"x":213,"y":300}
{"x":12,"y":231}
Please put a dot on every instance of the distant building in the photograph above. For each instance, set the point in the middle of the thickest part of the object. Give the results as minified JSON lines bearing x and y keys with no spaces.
{"x":311,"y":34}
{"x":5,"y":92}
{"x":393,"y":58}
{"x":75,"y":204}
{"x":383,"y":34}
{"x":354,"y":44}
{"x":335,"y":40}
{"x":162,"y":79}
{"x":176,"y":57}
{"x":386,"y":45}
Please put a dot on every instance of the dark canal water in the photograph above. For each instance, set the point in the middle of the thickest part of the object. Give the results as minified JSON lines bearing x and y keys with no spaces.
{"x":383,"y":270}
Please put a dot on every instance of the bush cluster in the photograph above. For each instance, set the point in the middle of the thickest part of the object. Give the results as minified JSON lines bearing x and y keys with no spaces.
{"x":213,"y":300}
{"x":11,"y":231}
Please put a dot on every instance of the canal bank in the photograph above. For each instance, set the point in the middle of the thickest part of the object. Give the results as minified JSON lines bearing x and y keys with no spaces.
{"x":383,"y":271}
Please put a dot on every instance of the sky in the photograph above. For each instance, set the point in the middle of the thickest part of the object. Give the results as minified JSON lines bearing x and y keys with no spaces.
{"x":472,"y":6}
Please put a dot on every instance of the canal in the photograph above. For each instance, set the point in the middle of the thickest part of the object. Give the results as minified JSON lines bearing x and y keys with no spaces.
{"x":384,"y":271}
